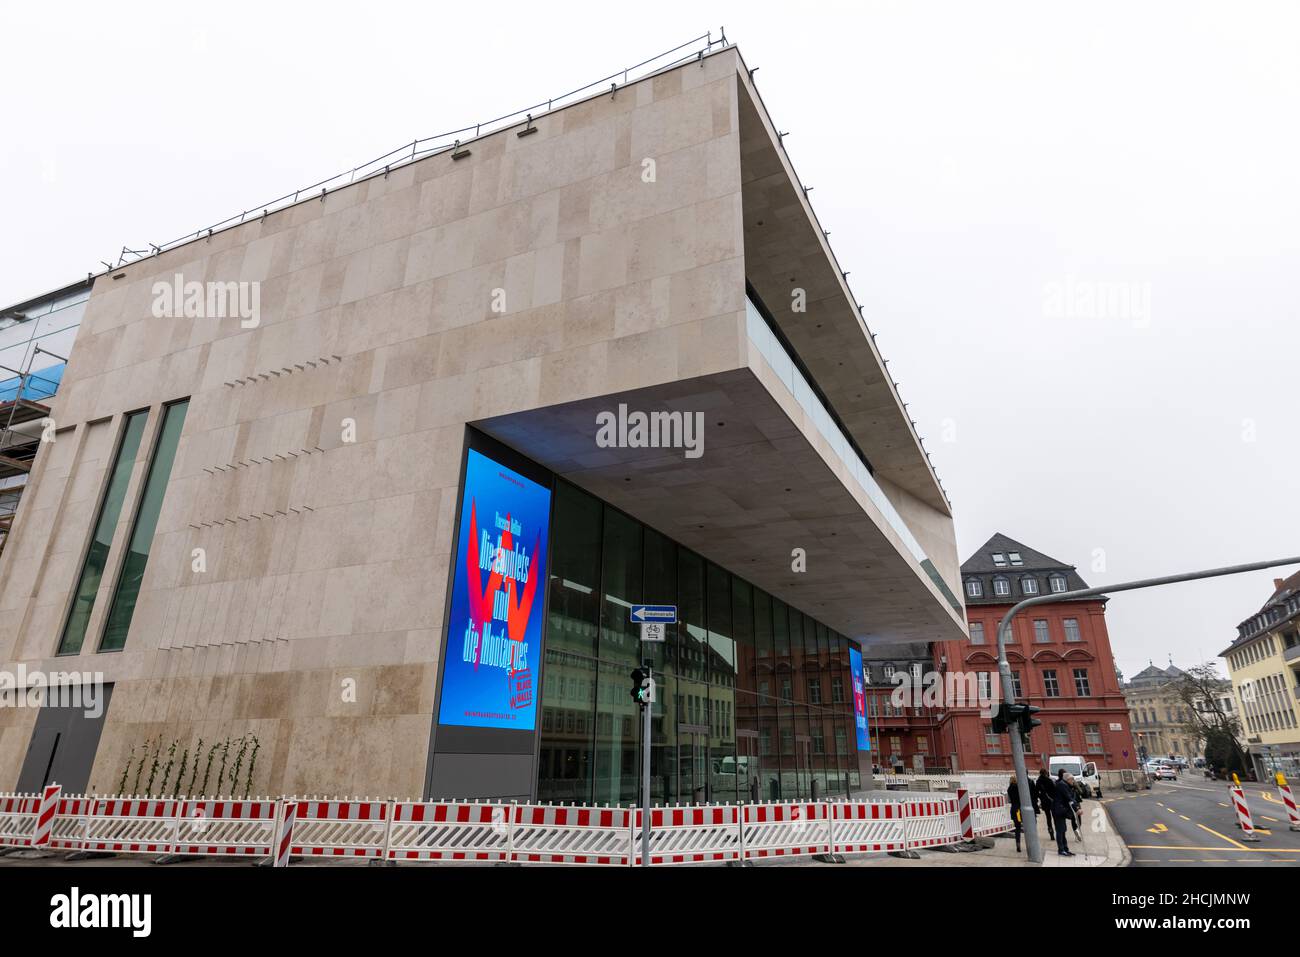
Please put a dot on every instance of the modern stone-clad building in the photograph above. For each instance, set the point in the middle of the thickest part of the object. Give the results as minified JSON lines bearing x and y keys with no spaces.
{"x":377,"y":526}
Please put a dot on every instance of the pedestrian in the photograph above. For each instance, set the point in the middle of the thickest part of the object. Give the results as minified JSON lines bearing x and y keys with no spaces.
{"x":1046,"y":793}
{"x":1013,"y":798}
{"x":1062,"y":809}
{"x":1076,"y":805}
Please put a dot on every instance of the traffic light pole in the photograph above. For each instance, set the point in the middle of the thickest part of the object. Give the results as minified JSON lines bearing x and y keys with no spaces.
{"x":1004,"y":667}
{"x":646,"y":709}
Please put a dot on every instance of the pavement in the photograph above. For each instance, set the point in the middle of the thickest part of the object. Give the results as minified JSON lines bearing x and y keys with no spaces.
{"x":1192,"y":822}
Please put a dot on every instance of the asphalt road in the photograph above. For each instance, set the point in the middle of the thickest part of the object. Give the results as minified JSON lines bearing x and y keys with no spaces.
{"x":1192,"y":822}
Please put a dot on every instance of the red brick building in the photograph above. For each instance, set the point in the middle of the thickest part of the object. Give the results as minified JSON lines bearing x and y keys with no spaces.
{"x":1060,"y":658}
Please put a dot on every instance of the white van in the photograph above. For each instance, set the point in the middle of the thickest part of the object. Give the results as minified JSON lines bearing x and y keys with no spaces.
{"x":1085,"y":772}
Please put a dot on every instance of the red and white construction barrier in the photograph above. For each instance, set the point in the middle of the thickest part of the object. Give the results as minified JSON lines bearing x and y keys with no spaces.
{"x":862,"y":827}
{"x":1243,"y":814}
{"x":129,"y":826}
{"x":491,"y":833}
{"x":225,"y":828}
{"x":18,"y":813}
{"x":45,"y":815}
{"x":785,"y":830}
{"x":71,"y":821}
{"x":990,"y":814}
{"x":340,"y":829}
{"x":932,"y":822}
{"x":449,"y":831}
{"x":963,"y":815}
{"x":1288,"y":799}
{"x":284,"y":833}
{"x":542,"y":834}
{"x":691,"y":835}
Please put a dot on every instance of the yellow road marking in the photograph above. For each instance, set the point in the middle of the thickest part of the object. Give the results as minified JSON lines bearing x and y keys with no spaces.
{"x":1182,"y":847}
{"x":1184,"y":817}
{"x":1273,"y":819}
{"x":1158,"y":829}
{"x":1237,"y":844}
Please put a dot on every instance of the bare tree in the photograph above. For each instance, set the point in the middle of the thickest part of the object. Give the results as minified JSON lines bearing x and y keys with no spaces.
{"x":1199,"y":691}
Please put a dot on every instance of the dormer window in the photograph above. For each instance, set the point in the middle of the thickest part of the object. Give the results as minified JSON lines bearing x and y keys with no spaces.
{"x":999,"y":559}
{"x":1058,"y":584}
{"x":1029,"y":586}
{"x":1001,"y":587}
{"x":974,"y":588}
{"x":1015,"y":558}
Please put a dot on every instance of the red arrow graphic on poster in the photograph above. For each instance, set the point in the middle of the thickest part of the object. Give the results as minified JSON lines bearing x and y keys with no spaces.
{"x":480,"y":601}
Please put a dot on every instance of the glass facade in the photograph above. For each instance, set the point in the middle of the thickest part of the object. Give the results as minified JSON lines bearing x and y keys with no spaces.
{"x":142,"y":531}
{"x":110,"y":510}
{"x":753,"y":698}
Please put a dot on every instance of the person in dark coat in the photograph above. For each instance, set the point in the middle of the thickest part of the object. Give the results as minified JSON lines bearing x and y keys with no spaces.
{"x":1062,"y":810}
{"x":1013,"y":798}
{"x":1076,"y":814}
{"x":1045,"y":794}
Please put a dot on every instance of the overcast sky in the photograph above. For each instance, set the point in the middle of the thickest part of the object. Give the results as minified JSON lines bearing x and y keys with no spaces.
{"x":1074,"y":231}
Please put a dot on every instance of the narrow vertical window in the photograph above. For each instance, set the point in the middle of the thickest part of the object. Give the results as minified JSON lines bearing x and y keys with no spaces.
{"x":110,"y":510}
{"x":142,"y":531}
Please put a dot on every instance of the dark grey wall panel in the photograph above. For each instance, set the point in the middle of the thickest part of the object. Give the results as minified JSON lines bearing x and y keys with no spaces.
{"x":62,"y":749}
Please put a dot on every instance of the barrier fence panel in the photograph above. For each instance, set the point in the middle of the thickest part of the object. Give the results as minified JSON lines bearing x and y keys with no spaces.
{"x":495,"y":833}
{"x":449,"y":831}
{"x":691,"y":835}
{"x":130,"y":825}
{"x":71,"y":823}
{"x":18,"y":813}
{"x":543,"y":834}
{"x":933,"y":822}
{"x":223,"y":828}
{"x":990,"y":814}
{"x":340,"y":829}
{"x":785,"y":830}
{"x":862,"y":827}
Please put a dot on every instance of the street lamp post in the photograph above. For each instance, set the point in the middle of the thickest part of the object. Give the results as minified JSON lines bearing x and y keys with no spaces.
{"x":1034,"y":849}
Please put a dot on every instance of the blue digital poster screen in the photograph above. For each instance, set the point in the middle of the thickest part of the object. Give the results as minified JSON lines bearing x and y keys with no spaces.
{"x":859,"y":700}
{"x":494,"y":627}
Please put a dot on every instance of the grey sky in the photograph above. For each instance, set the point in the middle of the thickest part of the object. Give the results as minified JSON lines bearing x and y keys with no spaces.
{"x":970,"y":160}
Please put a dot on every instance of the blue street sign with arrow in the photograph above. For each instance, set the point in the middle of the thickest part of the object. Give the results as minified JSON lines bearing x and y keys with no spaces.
{"x":666,"y":614}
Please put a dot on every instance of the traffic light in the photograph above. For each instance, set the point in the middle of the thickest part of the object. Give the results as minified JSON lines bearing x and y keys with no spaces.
{"x":1021,"y":715}
{"x":643,"y":686}
{"x":1002,"y":718}
{"x":1026,"y":718}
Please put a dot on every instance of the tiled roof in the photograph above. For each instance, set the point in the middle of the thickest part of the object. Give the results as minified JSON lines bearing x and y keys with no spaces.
{"x":1033,"y":564}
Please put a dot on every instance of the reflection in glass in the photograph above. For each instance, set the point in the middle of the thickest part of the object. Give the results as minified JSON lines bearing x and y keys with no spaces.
{"x":719,"y":732}
{"x":131,"y":577}
{"x":110,"y":510}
